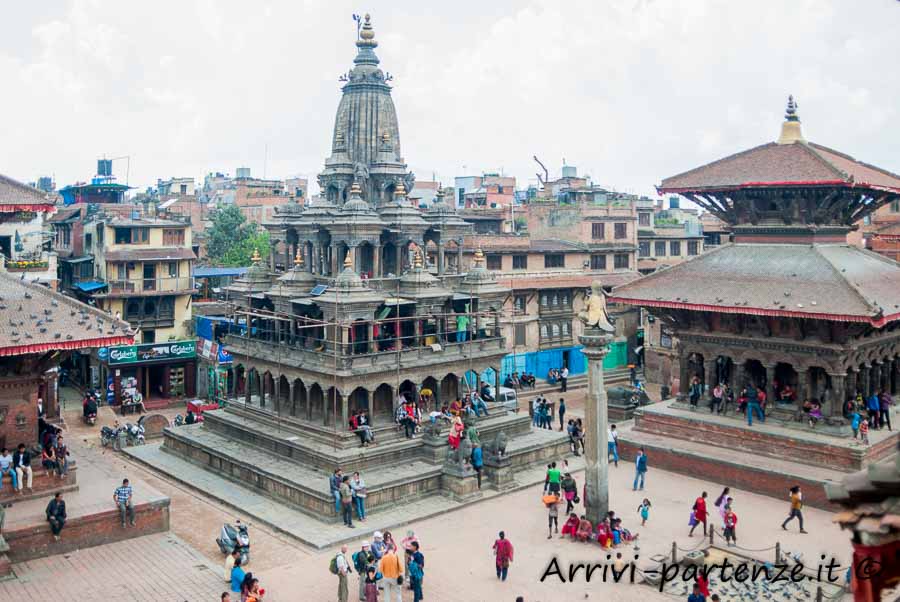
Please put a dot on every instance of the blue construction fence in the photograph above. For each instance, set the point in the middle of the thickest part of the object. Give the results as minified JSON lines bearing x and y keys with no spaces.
{"x":539,"y":363}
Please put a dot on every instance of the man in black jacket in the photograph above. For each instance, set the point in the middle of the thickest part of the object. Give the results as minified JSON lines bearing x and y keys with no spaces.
{"x":22,"y":466}
{"x":56,"y":514}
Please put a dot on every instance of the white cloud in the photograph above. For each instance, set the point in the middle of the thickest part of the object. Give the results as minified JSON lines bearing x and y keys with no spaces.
{"x":630,"y":90}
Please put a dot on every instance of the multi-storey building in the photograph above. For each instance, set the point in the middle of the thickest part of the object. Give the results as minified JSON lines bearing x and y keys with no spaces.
{"x":142,"y":273}
{"x":490,"y":190}
{"x":664,"y":239}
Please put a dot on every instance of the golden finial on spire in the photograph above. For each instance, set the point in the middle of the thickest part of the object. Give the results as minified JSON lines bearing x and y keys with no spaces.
{"x":790,"y":128}
{"x":256,"y":258}
{"x":367,"y":34}
{"x":479,"y":257}
{"x":440,"y":192}
{"x":355,"y":190}
{"x":348,"y":261}
{"x":417,"y":259}
{"x":298,"y":259}
{"x":400,"y":190}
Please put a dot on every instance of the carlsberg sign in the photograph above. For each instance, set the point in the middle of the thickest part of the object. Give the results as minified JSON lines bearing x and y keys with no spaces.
{"x":152,"y":352}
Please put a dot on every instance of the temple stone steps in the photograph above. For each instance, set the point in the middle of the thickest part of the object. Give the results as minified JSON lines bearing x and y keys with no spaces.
{"x":292,"y":481}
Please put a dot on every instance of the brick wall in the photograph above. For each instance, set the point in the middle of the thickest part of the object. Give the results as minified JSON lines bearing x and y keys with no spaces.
{"x":18,"y":411}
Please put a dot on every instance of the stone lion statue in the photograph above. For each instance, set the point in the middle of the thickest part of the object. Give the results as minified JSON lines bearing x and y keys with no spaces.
{"x":595,"y":315}
{"x":497,"y":447}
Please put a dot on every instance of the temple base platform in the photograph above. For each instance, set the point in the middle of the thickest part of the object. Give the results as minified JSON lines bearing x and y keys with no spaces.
{"x":764,"y":458}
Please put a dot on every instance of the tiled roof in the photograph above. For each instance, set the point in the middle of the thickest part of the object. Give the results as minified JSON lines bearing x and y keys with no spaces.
{"x":568,"y":280}
{"x":798,"y":163}
{"x":150,"y":254}
{"x":64,"y":214}
{"x":34,"y":319}
{"x":13,"y":192}
{"x":832,"y":282}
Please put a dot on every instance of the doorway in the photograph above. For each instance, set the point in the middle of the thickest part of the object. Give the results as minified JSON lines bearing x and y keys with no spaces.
{"x":6,"y":246}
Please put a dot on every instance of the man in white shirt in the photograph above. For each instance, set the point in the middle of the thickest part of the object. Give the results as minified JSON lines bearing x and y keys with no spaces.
{"x":612,"y":444}
{"x":563,"y":379}
{"x":535,"y":410}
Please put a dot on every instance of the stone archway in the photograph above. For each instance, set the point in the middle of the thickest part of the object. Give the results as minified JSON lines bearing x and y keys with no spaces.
{"x":383,"y":403}
{"x":240,"y":382}
{"x":316,"y":411}
{"x":358,"y":400}
{"x":299,"y":405}
{"x":431,"y":383}
{"x":450,"y":387}
{"x":333,"y":407}
{"x":268,"y":389}
{"x":283,"y":401}
{"x":364,"y":263}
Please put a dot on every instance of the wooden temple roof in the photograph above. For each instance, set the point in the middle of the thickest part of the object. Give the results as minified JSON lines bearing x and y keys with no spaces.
{"x":799,"y":164}
{"x":16,"y":196}
{"x":834,"y":282}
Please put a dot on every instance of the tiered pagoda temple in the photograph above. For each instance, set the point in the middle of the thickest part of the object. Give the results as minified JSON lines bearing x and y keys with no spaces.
{"x":788,"y":303}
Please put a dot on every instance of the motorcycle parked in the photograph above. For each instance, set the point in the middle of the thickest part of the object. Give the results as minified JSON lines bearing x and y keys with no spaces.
{"x":235,"y":536}
{"x":135,"y":432}
{"x":110,"y":436}
{"x":178,"y":421}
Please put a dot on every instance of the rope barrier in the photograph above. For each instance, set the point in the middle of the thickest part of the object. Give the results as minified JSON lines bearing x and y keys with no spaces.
{"x":752,"y":550}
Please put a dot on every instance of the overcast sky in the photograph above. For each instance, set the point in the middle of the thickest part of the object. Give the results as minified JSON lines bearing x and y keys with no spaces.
{"x":628,"y":91}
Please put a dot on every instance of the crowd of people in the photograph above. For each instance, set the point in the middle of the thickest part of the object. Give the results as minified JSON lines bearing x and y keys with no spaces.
{"x":381,"y":567}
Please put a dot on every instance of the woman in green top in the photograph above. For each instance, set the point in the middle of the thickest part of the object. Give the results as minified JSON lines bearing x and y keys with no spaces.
{"x":553,"y":478}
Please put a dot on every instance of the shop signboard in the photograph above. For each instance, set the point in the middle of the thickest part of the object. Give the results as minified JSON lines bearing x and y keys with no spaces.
{"x":152,"y":352}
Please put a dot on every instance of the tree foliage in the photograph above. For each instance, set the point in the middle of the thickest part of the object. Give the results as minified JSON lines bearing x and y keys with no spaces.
{"x":232,"y":239}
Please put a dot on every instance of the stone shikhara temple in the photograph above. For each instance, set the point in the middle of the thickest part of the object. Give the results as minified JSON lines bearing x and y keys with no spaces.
{"x":789,"y":303}
{"x":355,"y":323}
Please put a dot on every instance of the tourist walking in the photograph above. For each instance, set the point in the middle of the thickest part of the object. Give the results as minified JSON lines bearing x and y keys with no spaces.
{"x":346,"y":501}
{"x":503,"y":555}
{"x":56,"y":514}
{"x":416,"y":571}
{"x":564,"y":379}
{"x":640,"y":469}
{"x":570,"y":491}
{"x":796,"y":508}
{"x":237,"y":578}
{"x":612,"y":445}
{"x":340,"y":567}
{"x":552,"y":503}
{"x":699,"y":515}
{"x":722,"y":501}
{"x":22,"y":466}
{"x":122,"y":497}
{"x":553,"y":478}
{"x":392,"y":572}
{"x":561,"y":411}
{"x":359,"y":491}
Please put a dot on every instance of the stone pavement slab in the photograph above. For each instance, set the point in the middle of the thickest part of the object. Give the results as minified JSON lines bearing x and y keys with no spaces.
{"x":155,"y":568}
{"x":303,"y":527}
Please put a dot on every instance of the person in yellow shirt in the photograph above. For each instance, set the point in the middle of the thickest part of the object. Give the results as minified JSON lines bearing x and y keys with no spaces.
{"x":391,"y":569}
{"x":796,"y":506}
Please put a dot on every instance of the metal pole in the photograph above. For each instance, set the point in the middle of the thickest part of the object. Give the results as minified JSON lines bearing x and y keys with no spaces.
{"x":777,"y":552}
{"x":674,"y":553}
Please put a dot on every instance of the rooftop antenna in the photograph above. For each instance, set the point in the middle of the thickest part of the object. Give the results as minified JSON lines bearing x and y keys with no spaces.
{"x":358,"y":20}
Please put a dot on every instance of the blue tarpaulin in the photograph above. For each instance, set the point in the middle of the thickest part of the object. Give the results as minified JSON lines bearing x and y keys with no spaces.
{"x":90,"y":285}
{"x":206,"y":272}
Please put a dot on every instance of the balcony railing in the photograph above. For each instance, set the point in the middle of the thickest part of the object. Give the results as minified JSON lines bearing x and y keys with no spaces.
{"x":150,"y":285}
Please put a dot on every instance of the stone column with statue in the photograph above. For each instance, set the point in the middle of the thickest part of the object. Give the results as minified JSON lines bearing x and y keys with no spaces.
{"x":597,"y":335}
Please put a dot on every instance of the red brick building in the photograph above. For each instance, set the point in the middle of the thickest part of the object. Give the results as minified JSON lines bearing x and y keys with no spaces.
{"x":37,"y":326}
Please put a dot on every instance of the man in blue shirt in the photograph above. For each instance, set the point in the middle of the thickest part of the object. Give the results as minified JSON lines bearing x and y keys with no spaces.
{"x":477,"y":462}
{"x":122,"y":498}
{"x":874,"y":406}
{"x":237,"y":576}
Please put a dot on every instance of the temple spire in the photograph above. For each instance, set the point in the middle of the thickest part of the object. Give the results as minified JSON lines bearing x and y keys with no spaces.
{"x":790,"y":129}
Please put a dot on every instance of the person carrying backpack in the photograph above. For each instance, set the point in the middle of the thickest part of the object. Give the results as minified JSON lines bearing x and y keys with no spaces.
{"x":340,"y":567}
{"x":362,"y":560}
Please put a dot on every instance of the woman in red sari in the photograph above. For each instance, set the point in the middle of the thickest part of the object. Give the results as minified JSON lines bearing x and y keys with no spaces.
{"x":571,"y":526}
{"x":585,"y":529}
{"x":456,"y":430}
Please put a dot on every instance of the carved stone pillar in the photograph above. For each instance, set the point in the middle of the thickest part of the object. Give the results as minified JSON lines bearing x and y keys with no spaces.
{"x":398,"y":259}
{"x":684,"y":384}
{"x":837,"y":396}
{"x":770,"y":383}
{"x":800,"y":389}
{"x":864,"y":383}
{"x":335,"y":260}
{"x":852,"y":384}
{"x":710,"y":370}
{"x":370,"y":332}
{"x":877,"y":372}
{"x":440,"y":257}
{"x":459,"y":256}
{"x":376,"y":262}
{"x":276,"y":394}
{"x":417,"y":340}
{"x":595,"y":347}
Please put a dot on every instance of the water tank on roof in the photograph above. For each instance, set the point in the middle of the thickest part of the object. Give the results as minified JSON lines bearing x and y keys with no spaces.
{"x":569,"y":171}
{"x":242,"y":172}
{"x":104,"y":167}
